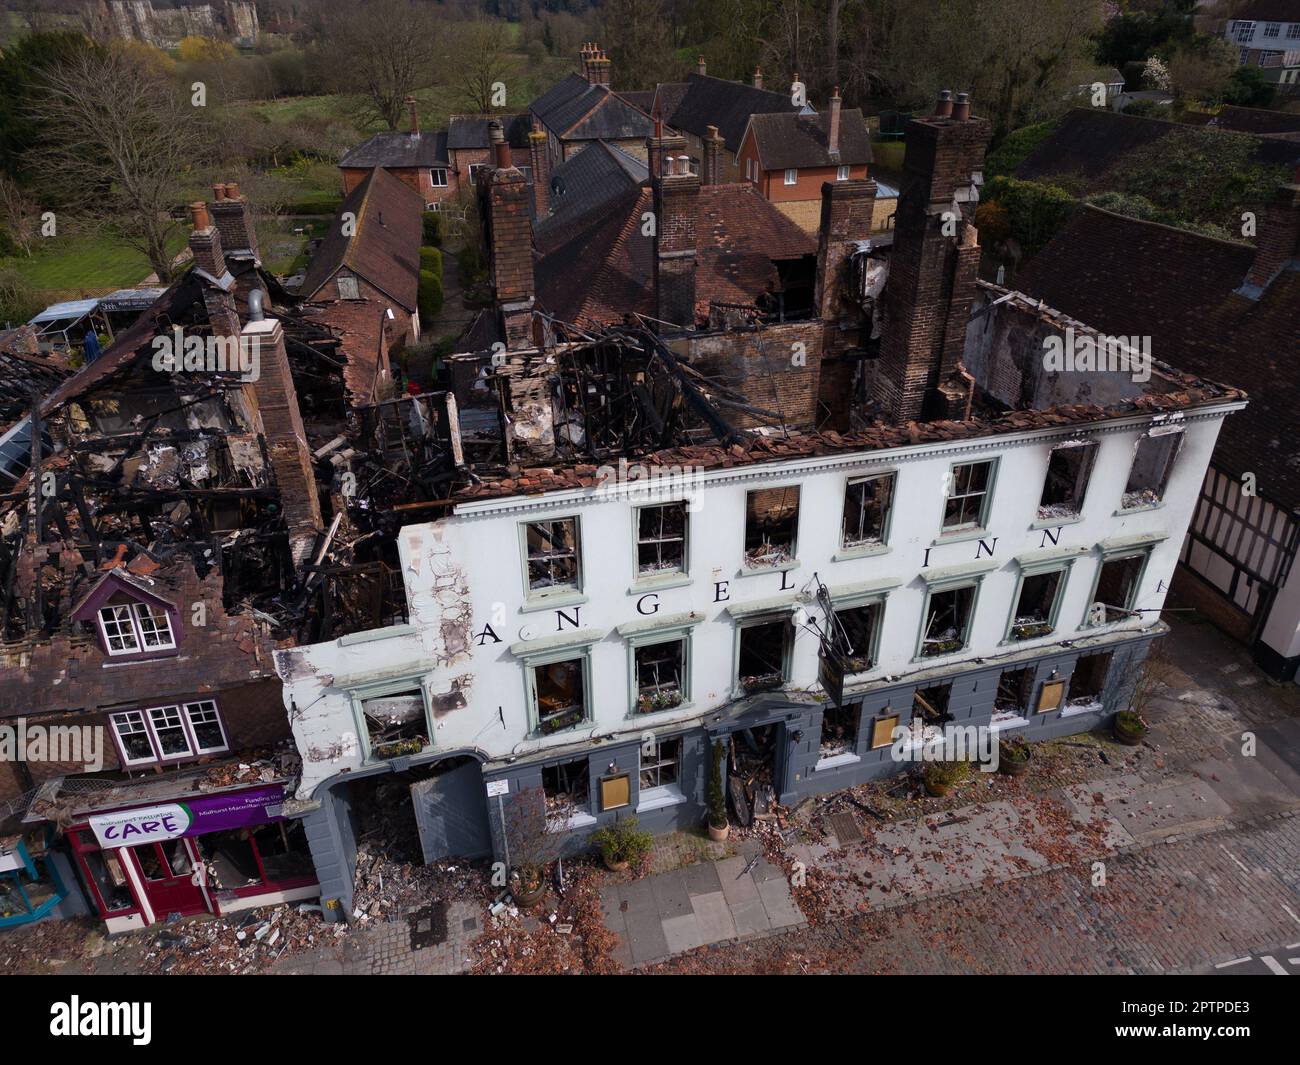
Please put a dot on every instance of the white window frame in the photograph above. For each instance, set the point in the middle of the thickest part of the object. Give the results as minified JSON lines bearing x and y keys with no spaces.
{"x":792,"y":176}
{"x":1242,"y":31}
{"x":142,"y":721}
{"x":133,"y":617}
{"x":1272,"y":30}
{"x":1293,"y":31}
{"x":683,"y":568}
{"x":841,"y":173}
{"x":438,"y":177}
{"x":116,"y":721}
{"x":156,"y":727}
{"x":203,"y":707}
{"x":474,"y":168}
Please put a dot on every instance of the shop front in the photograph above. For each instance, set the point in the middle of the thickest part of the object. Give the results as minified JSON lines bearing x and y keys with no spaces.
{"x":216,"y":854}
{"x":30,"y":885}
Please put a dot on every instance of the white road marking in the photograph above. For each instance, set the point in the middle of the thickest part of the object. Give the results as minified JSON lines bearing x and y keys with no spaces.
{"x":1293,"y":916}
{"x":1235,"y":961}
{"x":1243,"y":868}
{"x":1274,"y":966}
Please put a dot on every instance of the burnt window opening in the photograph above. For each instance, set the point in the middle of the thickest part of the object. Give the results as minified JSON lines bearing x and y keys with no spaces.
{"x":839,"y":731}
{"x":567,"y":788}
{"x":930,"y":705}
{"x":947,"y":621}
{"x":858,"y":627}
{"x":282,"y":846}
{"x":1117,"y":585}
{"x":1068,"y":469}
{"x":1036,"y":605}
{"x":553,"y":560}
{"x":661,"y":539}
{"x":967,"y":500}
{"x":395,"y":724}
{"x":771,"y":524}
{"x":659,"y":675}
{"x":1015,"y":687}
{"x":1088,"y":680}
{"x":764,"y":648}
{"x":866,"y":511}
{"x":559,"y":694}
{"x":663,"y":768}
{"x":1153,"y":461}
{"x":794,"y":297}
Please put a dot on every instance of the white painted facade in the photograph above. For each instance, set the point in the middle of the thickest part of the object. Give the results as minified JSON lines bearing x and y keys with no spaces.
{"x":466,"y":573}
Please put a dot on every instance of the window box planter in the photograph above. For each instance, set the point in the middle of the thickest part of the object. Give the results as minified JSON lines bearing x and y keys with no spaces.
{"x":941,"y":647}
{"x":765,"y":682}
{"x":666,"y":699}
{"x":1030,"y":630}
{"x":401,"y":748}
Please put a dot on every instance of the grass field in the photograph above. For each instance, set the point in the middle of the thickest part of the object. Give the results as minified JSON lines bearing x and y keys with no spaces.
{"x":74,"y":266}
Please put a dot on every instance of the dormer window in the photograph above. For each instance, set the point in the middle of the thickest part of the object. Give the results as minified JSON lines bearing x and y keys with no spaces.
{"x":135,"y":628}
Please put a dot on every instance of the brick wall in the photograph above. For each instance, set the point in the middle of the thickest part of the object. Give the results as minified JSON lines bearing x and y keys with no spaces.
{"x":762,"y":366}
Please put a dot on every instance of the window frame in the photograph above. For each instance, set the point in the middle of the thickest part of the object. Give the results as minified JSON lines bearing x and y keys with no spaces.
{"x":842,"y":173}
{"x":434,"y":171}
{"x":652,"y":577}
{"x":149,"y":730}
{"x":574,"y":652}
{"x":133,"y":609}
{"x":677,"y":634}
{"x":1090,"y":446}
{"x":786,"y":619}
{"x":975,"y":583}
{"x":377,"y":690}
{"x":658,"y":792}
{"x":857,"y":602}
{"x":551,"y":593}
{"x":1152,"y":434}
{"x":1118,"y":555}
{"x":1054,"y":612}
{"x":791,"y":175}
{"x":981,"y":523}
{"x":772,"y":567}
{"x":886,"y":518}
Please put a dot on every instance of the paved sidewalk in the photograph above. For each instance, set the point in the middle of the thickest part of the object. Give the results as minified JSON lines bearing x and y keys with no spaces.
{"x":733,"y":900}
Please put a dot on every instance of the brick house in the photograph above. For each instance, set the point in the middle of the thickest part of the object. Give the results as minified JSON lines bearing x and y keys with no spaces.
{"x":469,"y":145}
{"x":420,"y":160}
{"x":363,"y":280}
{"x":582,"y":109}
{"x":788,"y":157}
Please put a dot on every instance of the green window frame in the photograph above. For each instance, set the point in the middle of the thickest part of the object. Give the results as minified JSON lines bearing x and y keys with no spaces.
{"x":577,"y":653}
{"x":655,"y":543}
{"x":1108,"y":558}
{"x":972,"y":495}
{"x":971,"y":584}
{"x":1014,"y":633}
{"x":872,"y":650}
{"x":537,"y":559}
{"x":784,"y":619}
{"x":857,"y":507}
{"x":379,"y":689}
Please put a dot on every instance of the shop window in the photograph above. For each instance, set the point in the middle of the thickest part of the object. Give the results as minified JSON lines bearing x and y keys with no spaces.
{"x":866,"y":511}
{"x":1117,"y":583}
{"x":771,"y":524}
{"x":135,"y":628}
{"x":1088,"y":680}
{"x":947,"y":621}
{"x":282,"y":846}
{"x":396,"y":723}
{"x":839,"y":731}
{"x":1015,"y":687}
{"x":661,"y":540}
{"x":105,"y":873}
{"x":567,"y":788}
{"x":230,"y":858}
{"x":882,"y":731}
{"x":930,"y":705}
{"x":1068,"y":469}
{"x":663,"y":768}
{"x":559,"y":696}
{"x":659,"y":675}
{"x":1036,"y":605}
{"x":168,"y":733}
{"x":552,"y":555}
{"x":859,"y":625}
{"x":254,"y":857}
{"x":1153,"y":461}
{"x":763,"y":653}
{"x":968,"y":492}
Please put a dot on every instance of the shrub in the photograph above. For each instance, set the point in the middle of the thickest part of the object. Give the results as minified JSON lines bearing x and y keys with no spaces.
{"x":433,"y":229}
{"x":1016,"y":147}
{"x":717,"y":799}
{"x":946,"y":774}
{"x":1036,"y":209}
{"x":430,"y":296}
{"x":473,"y":264}
{"x":431,"y":260}
{"x":623,"y":841}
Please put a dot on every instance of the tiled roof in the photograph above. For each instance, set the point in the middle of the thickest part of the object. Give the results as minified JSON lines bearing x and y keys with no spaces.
{"x":471,"y":131}
{"x":738,"y":234}
{"x":1255,"y":120}
{"x":728,"y":105}
{"x":596,"y":175}
{"x":384,"y":246}
{"x":643,"y":99}
{"x":667,"y":95}
{"x":575,"y":109}
{"x":399,"y":151}
{"x":1127,"y":277}
{"x":1269,"y":10}
{"x":790,"y":141}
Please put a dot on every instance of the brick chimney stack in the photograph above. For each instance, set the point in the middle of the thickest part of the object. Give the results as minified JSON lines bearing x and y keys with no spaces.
{"x":847,"y":208}
{"x":927,"y":297}
{"x":701,"y":68}
{"x":713,"y":144}
{"x":676,"y":201}
{"x":585,"y":57}
{"x":218,"y":284}
{"x":758,"y":78}
{"x":833,"y":129}
{"x":659,"y":146}
{"x":508,"y":230}
{"x":234,"y":220}
{"x":1277,"y":240}
{"x":286,"y":439}
{"x":539,"y":158}
{"x":414,"y":109}
{"x":604,"y":67}
{"x":961,"y":110}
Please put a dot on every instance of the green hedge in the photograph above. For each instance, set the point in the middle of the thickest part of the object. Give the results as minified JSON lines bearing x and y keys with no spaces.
{"x":433,"y":232}
{"x":1016,"y":147}
{"x":1036,"y":210}
{"x":431,"y":260}
{"x":430,"y":297}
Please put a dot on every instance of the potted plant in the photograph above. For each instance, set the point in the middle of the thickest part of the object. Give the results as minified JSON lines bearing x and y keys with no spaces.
{"x":622,"y":843}
{"x":1129,"y":727}
{"x":535,"y":835}
{"x":941,"y":777}
{"x":717,"y":799}
{"x":1014,"y":757}
{"x":528,"y":885}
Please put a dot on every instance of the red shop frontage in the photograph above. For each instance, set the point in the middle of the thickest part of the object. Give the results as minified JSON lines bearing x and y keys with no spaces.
{"x":216,"y":853}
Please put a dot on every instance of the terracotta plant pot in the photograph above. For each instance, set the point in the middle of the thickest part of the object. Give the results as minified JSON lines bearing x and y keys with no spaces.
{"x":719,"y":834}
{"x":528,"y":899}
{"x":616,"y":867}
{"x":1012,"y":767}
{"x":1129,"y":736}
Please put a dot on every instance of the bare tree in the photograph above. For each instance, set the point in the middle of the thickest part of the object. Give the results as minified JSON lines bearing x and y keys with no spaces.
{"x":480,"y":61}
{"x":19,"y":214}
{"x":383,"y":50}
{"x":116,"y":139}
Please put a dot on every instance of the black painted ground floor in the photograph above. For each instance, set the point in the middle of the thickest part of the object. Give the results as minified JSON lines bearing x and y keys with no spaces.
{"x":778,"y":747}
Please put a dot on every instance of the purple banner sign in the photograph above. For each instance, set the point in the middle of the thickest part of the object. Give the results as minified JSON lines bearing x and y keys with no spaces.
{"x":163,"y":821}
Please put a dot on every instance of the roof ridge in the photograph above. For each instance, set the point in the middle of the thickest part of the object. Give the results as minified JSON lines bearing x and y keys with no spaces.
{"x":1165,"y":225}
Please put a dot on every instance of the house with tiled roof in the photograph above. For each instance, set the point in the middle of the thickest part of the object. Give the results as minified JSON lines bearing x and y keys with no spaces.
{"x":1266,"y":33}
{"x":469,"y":145}
{"x":420,"y":159}
{"x":585,"y":182}
{"x":364,"y":277}
{"x":582,"y":109}
{"x":788,"y":156}
{"x":1233,"y":310}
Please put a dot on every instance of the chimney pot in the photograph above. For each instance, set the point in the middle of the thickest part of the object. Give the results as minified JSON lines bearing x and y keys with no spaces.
{"x":232,"y":190}
{"x":683,"y":165}
{"x":199,"y":215}
{"x":961,"y":110}
{"x":758,"y":78}
{"x":943,"y":106}
{"x":700,"y":66}
{"x":219,"y":191}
